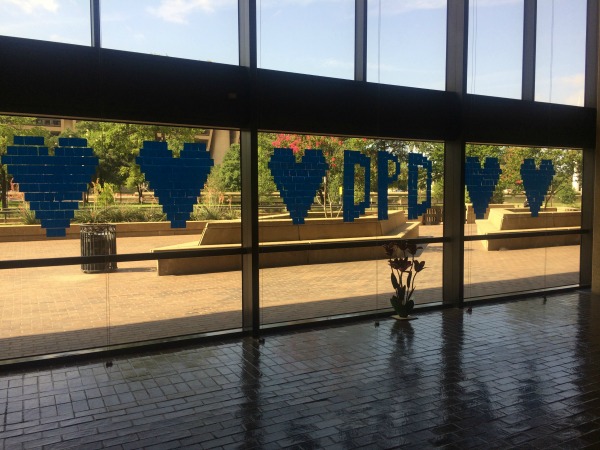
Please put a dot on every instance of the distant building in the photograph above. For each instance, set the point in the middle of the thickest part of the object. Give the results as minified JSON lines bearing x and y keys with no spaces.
{"x":217,"y":141}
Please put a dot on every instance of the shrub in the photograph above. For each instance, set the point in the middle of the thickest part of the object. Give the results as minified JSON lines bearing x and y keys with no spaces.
{"x":27,"y":216}
{"x":568,"y":195}
{"x":116,"y":214}
{"x":215,"y":212}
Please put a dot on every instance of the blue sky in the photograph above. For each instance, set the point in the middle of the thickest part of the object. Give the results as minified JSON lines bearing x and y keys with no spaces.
{"x":406,"y":38}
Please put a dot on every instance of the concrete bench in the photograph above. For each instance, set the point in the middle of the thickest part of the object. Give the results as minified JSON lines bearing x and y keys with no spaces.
{"x":517,"y":220}
{"x":227,"y":234}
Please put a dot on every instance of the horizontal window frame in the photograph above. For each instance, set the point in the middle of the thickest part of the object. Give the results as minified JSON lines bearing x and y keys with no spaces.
{"x":526,"y":234}
{"x":265,"y":248}
{"x":198,"y":253}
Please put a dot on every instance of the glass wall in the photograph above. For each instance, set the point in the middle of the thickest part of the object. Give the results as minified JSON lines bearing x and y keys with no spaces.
{"x":515,"y":190}
{"x":406,"y":43}
{"x":162,"y":190}
{"x":495,"y":48}
{"x":206,"y":31}
{"x":315,"y":38}
{"x":560,"y":58}
{"x":327,"y":203}
{"x":330,"y":190}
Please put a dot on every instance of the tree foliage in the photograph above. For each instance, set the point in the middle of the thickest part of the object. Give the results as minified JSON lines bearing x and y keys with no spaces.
{"x":118,"y":144}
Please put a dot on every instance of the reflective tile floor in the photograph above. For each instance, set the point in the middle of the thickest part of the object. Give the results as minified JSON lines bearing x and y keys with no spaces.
{"x":523,"y":374}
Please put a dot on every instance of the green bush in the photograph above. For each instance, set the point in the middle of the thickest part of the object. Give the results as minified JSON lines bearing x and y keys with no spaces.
{"x":116,"y":214}
{"x":27,"y":216}
{"x":215,"y":212}
{"x":568,"y":195}
{"x":105,"y":195}
{"x":497,"y":196}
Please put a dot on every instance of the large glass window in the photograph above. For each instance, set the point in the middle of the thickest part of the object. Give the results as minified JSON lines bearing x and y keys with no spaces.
{"x":407,"y":43}
{"x":81,"y":188}
{"x":495,"y":48}
{"x":560,"y":58}
{"x":51,"y":20}
{"x":206,"y":31}
{"x":315,"y":38}
{"x":317,"y":190}
{"x":512,"y":190}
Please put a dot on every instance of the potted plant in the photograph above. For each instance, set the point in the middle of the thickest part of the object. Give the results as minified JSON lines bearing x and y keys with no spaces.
{"x":404,"y":267}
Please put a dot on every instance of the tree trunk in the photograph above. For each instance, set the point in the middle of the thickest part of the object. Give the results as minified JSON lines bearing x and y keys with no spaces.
{"x":4,"y":187}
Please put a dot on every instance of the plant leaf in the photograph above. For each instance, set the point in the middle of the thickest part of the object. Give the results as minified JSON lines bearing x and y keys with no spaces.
{"x":401,"y":293}
{"x":394,"y":281}
{"x":419,"y":265}
{"x":395,"y":304}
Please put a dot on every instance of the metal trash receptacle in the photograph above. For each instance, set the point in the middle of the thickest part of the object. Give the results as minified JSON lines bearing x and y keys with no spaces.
{"x":98,"y":239}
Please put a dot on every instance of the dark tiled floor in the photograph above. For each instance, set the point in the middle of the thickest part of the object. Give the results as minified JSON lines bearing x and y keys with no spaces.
{"x":522,"y":374}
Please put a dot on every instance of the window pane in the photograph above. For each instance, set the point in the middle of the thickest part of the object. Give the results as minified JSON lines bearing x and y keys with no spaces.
{"x":158,"y":189}
{"x":315,"y":38}
{"x":58,"y":309}
{"x":495,"y":49}
{"x":560,"y":60}
{"x":206,"y":31}
{"x":519,"y":270}
{"x":313,"y":190}
{"x":518,"y":189}
{"x":51,"y":20}
{"x":407,"y":43}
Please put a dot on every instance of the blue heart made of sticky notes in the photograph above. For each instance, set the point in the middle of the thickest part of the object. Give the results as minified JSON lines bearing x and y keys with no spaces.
{"x":53,"y":185}
{"x":536,"y":182}
{"x":298,"y":182}
{"x":481,"y":182}
{"x":177,"y":182}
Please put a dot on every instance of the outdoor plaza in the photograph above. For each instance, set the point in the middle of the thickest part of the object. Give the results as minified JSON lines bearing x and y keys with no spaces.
{"x":55,"y":309}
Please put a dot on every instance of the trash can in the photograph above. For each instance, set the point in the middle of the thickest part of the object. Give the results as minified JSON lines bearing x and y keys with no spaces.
{"x":98,"y":239}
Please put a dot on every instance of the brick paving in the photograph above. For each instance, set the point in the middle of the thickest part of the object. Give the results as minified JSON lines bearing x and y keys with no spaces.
{"x":55,"y":309}
{"x":521,"y":374}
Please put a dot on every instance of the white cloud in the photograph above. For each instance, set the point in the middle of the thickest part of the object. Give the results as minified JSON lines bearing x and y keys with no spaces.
{"x":575,"y":80}
{"x":336,"y":63}
{"x":575,"y":99}
{"x":177,"y":11}
{"x":30,"y":6}
{"x":571,"y":89}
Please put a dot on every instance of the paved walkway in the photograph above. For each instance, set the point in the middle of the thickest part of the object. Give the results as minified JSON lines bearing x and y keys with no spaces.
{"x":52,"y":309}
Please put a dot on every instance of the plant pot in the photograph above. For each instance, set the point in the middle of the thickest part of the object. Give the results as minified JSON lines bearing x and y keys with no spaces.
{"x":397,"y":317}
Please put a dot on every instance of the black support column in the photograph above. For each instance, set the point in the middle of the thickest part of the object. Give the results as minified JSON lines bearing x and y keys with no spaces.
{"x":360,"y":40}
{"x":249,"y":170}
{"x":454,"y":157}
{"x":590,"y":247}
{"x":529,"y":49}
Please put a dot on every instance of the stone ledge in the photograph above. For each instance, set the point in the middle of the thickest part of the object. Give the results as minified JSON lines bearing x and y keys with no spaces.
{"x":283,"y":232}
{"x":517,"y":220}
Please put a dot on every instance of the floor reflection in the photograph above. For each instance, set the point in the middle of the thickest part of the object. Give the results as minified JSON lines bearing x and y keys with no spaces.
{"x":521,"y":374}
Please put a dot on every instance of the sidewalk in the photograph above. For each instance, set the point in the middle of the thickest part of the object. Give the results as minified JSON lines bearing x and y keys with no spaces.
{"x":53,"y":309}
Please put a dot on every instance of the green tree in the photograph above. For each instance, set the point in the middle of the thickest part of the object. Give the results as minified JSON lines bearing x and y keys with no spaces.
{"x":329,"y":194}
{"x":227,"y":176}
{"x":566,"y":164}
{"x":118,"y":144}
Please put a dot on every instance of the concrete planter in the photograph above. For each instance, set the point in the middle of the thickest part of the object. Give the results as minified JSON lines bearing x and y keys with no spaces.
{"x":221,"y":234}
